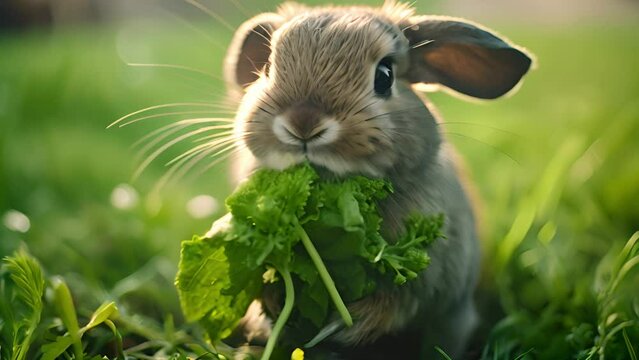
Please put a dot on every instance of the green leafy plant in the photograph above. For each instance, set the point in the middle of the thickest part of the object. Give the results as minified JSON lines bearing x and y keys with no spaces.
{"x":22,"y":289}
{"x":66,"y":310}
{"x":21,"y":303}
{"x":617,"y":308}
{"x":322,"y":235}
{"x":596,"y":321}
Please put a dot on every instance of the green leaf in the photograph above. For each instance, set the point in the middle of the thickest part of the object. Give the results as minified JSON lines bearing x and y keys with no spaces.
{"x":348,"y":206}
{"x":312,"y":303}
{"x":53,"y":350}
{"x":203,"y":273}
{"x":350,"y":279}
{"x":104,"y":312}
{"x":26,"y":276}
{"x":202,"y":279}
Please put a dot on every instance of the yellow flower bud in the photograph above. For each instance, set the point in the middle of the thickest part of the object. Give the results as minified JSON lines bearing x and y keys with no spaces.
{"x":298,"y":354}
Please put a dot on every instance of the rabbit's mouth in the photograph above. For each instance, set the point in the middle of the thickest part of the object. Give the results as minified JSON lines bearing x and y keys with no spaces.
{"x":332,"y":165}
{"x":328,"y":164}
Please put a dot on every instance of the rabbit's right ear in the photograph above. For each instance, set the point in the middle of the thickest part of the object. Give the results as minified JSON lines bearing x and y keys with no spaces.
{"x":463,"y":56}
{"x":250,"y":49}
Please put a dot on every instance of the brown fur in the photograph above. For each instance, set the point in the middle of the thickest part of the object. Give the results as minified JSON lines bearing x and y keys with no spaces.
{"x":321,"y":67}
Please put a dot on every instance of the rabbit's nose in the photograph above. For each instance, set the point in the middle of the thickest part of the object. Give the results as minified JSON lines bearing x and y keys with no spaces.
{"x":303,"y":120}
{"x":304,"y":123}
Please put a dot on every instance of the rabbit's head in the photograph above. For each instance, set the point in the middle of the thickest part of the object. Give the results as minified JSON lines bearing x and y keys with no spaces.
{"x":334,"y":84}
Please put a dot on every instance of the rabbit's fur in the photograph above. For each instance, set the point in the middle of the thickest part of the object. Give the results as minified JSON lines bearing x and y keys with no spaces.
{"x":306,"y":77}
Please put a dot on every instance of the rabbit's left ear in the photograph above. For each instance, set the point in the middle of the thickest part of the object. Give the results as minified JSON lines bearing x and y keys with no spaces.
{"x":463,"y":56}
{"x":250,"y":49}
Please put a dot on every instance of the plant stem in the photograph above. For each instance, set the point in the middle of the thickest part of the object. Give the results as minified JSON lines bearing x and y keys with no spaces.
{"x":283,"y":317}
{"x":118,"y":339}
{"x":326,"y":277}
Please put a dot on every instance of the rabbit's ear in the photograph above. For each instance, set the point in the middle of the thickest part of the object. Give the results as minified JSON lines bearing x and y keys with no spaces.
{"x":462,"y":56}
{"x":250,"y":49}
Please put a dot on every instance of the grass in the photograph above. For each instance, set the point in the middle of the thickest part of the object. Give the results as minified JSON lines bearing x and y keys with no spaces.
{"x":555,"y":166}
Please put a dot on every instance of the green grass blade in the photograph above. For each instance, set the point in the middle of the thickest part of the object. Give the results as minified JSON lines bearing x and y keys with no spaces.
{"x":523,"y":355}
{"x":66,"y":311}
{"x":118,"y":339}
{"x":631,"y":349}
{"x":442,"y":353}
{"x":627,"y":251}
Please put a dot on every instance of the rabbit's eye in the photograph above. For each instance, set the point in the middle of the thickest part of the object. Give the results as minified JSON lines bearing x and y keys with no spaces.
{"x":384,"y":77}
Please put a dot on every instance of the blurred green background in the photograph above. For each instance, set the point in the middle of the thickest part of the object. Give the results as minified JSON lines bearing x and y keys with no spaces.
{"x":556,"y":165}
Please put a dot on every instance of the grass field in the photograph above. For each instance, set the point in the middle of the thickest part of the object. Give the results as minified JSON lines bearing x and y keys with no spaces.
{"x":556,"y":166}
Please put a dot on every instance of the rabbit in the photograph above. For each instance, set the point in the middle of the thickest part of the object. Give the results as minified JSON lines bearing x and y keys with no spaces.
{"x":335,"y":86}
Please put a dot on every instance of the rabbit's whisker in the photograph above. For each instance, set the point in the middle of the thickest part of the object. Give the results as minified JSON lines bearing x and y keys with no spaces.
{"x":511,"y":133}
{"x":422,"y":43}
{"x":221,"y":139}
{"x":220,"y":159}
{"x":214,"y":136}
{"x":272,"y":99}
{"x":241,"y":8}
{"x":176,"y":67}
{"x":356,"y":102}
{"x":201,"y":147}
{"x":212,"y":14}
{"x":161,"y":106}
{"x":163,"y":132}
{"x":485,"y":143}
{"x":183,"y":166}
{"x":141,"y":153}
{"x":155,"y":116}
{"x":164,"y":147}
{"x":266,"y":111}
{"x":365,"y":107}
{"x":196,"y":29}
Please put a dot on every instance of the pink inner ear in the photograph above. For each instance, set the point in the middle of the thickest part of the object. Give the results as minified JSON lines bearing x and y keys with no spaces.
{"x":475,"y":70}
{"x":253,"y":57}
